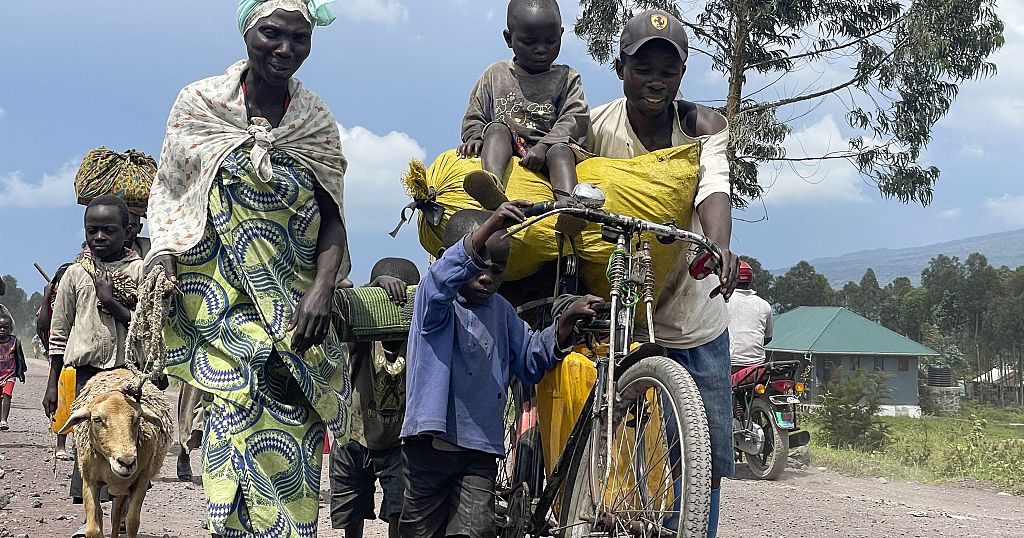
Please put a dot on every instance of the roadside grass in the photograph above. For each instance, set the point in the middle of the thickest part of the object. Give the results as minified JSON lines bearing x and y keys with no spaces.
{"x":981,"y":445}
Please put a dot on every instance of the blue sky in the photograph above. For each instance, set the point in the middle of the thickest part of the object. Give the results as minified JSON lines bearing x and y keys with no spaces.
{"x":396,"y":73}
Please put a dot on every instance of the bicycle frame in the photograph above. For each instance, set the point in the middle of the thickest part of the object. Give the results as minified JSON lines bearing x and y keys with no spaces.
{"x":631,"y":279}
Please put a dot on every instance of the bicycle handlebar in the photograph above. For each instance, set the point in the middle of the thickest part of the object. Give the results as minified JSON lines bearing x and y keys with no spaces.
{"x":666,"y":233}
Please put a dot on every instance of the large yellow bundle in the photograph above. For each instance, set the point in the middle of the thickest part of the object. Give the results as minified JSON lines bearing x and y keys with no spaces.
{"x":659,"y":187}
{"x":128,"y":175}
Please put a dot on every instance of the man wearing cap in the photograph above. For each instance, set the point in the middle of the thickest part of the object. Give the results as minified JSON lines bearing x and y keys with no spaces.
{"x":691,"y":319}
{"x":750,"y":321}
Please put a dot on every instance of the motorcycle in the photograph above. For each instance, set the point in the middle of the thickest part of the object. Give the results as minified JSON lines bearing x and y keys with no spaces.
{"x":765,"y":428}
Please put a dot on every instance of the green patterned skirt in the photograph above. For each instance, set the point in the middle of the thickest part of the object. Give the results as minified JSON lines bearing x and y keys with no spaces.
{"x":227,"y":335}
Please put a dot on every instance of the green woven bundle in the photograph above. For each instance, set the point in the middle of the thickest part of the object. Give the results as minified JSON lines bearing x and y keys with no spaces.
{"x":368,"y":315}
{"x":127,"y":175}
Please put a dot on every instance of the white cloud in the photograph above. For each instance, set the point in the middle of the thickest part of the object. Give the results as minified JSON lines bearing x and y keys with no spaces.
{"x":972,"y":150}
{"x":792,"y":183}
{"x":2,"y":112}
{"x":55,"y":189}
{"x":950,"y":214}
{"x":374,"y":194}
{"x":1008,"y":208}
{"x":993,"y":105}
{"x":387,"y":12}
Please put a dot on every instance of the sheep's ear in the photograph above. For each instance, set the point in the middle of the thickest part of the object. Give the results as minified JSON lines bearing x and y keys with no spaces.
{"x":152,"y":417}
{"x":77,"y":417}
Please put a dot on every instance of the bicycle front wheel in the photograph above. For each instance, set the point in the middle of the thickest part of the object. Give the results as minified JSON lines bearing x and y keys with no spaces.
{"x":657,"y":479}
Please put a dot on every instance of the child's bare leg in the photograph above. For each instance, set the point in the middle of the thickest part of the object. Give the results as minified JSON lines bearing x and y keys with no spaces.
{"x":485,"y":186}
{"x":561,"y":163}
{"x":62,"y":443}
{"x":5,"y":408}
{"x":497,"y":150}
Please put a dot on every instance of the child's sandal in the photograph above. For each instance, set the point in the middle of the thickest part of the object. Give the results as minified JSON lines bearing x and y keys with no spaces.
{"x":485,"y":188}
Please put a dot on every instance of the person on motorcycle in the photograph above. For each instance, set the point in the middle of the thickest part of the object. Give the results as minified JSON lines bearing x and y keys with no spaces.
{"x":750,"y":322}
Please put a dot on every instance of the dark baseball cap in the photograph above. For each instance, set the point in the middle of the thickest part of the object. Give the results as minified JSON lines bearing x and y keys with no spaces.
{"x":653,"y":24}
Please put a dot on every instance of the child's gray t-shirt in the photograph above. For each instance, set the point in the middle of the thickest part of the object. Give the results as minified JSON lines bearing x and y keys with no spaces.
{"x":547,"y":107}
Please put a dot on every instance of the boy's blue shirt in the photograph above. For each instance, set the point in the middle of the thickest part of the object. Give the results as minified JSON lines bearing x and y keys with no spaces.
{"x":461,"y":356}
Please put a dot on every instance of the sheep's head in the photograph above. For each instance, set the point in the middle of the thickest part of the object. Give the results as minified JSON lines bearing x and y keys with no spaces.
{"x":114,"y":424}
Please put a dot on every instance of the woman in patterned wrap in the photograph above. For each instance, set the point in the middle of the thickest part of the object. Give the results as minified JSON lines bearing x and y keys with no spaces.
{"x":246,"y":213}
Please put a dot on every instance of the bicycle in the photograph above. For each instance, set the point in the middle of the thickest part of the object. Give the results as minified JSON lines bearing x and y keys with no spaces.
{"x":638,"y":460}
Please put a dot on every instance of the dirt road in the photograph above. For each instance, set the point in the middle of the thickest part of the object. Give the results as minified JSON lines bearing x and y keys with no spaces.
{"x":808,"y":504}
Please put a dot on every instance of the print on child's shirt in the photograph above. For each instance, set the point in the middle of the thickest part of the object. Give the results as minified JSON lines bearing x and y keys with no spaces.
{"x":513,"y":109}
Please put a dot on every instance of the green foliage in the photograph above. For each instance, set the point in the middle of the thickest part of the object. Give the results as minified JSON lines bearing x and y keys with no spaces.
{"x":985,"y":447}
{"x":23,"y":309}
{"x":802,"y":286}
{"x":849,"y":409}
{"x":906,"y":59}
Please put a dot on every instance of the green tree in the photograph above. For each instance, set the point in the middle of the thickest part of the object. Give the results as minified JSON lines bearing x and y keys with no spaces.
{"x":943,"y":281}
{"x":22,"y":307}
{"x":764,"y":280}
{"x":902,"y":308}
{"x":802,"y":286}
{"x":906,"y":60}
{"x":864,"y":298}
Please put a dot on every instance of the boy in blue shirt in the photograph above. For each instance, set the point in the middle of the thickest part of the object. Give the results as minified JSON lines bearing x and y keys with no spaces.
{"x":465,"y":342}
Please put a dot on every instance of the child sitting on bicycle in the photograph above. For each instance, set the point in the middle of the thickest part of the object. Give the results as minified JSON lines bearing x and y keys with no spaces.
{"x":464,"y":344}
{"x":526,"y":107}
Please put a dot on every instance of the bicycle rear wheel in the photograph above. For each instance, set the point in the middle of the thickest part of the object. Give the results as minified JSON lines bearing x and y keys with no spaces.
{"x":659,"y":480}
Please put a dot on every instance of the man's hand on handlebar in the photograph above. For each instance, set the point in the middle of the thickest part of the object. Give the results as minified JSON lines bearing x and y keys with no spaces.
{"x":727,"y":274}
{"x":509,"y":214}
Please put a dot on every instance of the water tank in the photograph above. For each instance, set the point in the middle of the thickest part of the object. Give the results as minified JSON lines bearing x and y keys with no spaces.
{"x":940,"y":375}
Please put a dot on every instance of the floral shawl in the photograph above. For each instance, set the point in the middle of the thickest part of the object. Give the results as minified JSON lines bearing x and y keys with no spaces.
{"x":209,"y":121}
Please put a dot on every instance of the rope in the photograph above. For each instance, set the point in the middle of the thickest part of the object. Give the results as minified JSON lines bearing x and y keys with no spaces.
{"x":147,"y":351}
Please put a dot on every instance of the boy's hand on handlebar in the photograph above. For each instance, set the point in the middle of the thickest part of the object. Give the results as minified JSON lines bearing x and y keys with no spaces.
{"x":582,"y":309}
{"x":509,"y":214}
{"x":727,"y":274}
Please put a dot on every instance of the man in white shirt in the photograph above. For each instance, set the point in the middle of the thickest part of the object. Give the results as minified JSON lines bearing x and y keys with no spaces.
{"x":691,"y":320}
{"x":750,"y":321}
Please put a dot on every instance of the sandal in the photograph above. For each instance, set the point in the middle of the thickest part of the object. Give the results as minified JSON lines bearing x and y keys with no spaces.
{"x":485,"y":188}
{"x":62,"y":455}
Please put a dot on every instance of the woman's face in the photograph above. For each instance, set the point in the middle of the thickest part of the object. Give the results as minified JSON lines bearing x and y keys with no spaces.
{"x":278,"y":45}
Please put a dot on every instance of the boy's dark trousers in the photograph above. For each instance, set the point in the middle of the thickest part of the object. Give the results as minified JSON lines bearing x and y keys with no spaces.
{"x":447,"y":493}
{"x":82,"y":376}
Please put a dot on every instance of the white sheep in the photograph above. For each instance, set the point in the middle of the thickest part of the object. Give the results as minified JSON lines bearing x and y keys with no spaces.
{"x":121,"y":443}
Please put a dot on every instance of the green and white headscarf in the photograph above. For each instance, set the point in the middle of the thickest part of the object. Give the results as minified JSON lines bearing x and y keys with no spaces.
{"x":316,"y":12}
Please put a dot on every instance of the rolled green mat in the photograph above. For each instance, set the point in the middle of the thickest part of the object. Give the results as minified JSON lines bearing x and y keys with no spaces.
{"x":368,"y":315}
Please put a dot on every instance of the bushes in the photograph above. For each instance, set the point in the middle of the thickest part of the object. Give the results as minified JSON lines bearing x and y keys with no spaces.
{"x":849,"y":407}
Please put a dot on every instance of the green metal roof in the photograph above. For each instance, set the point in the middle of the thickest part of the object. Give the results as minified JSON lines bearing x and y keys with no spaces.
{"x":836,"y":330}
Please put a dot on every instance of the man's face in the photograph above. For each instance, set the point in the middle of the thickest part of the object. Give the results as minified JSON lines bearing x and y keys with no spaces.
{"x":651,"y":77}
{"x":478,"y":290}
{"x":105,"y":232}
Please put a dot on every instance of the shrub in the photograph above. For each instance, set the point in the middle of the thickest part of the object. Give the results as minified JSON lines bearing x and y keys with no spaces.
{"x":849,"y":409}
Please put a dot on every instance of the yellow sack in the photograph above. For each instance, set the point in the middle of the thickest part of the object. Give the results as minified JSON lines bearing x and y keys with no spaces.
{"x":561,"y":394}
{"x":127,"y":175}
{"x":660,"y":187}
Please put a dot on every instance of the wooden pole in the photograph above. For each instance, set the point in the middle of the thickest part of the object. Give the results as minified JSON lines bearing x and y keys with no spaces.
{"x":41,"y":272}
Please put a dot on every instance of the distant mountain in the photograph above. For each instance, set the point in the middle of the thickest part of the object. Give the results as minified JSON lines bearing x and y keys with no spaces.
{"x":1006,"y":248}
